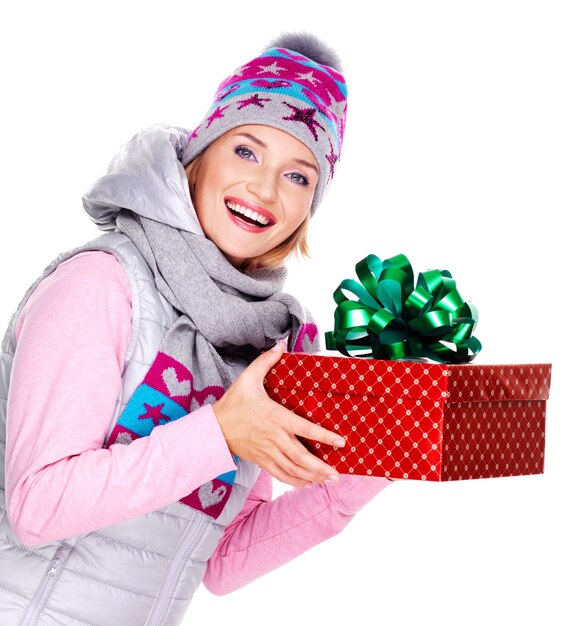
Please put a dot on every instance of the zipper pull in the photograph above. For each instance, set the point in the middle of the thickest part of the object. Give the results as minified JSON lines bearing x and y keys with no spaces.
{"x":53,"y":569}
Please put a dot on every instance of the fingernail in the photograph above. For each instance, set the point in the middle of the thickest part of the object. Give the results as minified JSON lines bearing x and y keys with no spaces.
{"x":340,"y":443}
{"x":276,"y":347}
{"x":332,"y":478}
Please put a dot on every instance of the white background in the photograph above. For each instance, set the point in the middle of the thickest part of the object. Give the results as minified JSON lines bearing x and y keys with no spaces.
{"x":464,"y":149}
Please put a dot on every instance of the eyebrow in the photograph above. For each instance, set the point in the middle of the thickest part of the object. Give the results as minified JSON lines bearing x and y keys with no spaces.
{"x":262,"y":144}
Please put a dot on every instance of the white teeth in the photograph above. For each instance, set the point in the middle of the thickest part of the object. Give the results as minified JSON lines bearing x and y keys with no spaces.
{"x":261,"y":219}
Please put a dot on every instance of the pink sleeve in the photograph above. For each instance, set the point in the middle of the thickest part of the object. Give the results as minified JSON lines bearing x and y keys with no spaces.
{"x":72,"y":337}
{"x":269,"y":533}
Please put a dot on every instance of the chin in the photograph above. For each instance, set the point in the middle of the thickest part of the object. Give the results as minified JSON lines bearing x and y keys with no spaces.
{"x":235,"y":257}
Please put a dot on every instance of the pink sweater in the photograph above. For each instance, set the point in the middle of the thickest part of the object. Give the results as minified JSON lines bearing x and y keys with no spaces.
{"x":72,"y":338}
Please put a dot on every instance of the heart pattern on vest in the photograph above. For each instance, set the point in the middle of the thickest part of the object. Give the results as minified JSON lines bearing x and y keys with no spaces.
{"x":123,"y":438}
{"x":176,"y":387}
{"x":307,"y":339}
{"x":209,"y":496}
{"x":207,"y":395}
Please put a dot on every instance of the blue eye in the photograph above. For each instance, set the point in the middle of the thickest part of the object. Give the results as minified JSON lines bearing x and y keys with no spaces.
{"x":244,"y":152}
{"x":300,"y":179}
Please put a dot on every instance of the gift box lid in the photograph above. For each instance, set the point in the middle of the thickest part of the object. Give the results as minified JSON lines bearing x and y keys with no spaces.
{"x":496,"y":383}
{"x":411,"y":379}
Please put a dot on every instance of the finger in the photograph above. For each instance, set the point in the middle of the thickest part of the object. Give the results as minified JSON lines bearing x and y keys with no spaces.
{"x":288,"y":461}
{"x":282,"y":475}
{"x":304,"y":428}
{"x":296,"y":459}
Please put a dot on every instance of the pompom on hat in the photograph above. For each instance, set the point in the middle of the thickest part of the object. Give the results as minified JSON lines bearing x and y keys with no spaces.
{"x":296,"y":85}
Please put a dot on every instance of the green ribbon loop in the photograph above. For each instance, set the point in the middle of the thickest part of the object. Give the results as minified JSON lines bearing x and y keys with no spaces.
{"x":392,"y":317}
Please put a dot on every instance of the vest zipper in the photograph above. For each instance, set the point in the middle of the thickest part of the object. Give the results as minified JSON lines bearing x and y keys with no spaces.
{"x":46,"y":586}
{"x":163,"y":599}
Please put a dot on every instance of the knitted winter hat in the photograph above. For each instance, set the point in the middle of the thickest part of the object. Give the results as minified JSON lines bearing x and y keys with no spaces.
{"x":295,"y":86}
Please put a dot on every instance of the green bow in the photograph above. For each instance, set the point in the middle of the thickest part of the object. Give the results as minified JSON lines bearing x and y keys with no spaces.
{"x":392,"y":320}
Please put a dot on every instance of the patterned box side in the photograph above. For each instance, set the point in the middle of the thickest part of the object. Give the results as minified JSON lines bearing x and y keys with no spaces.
{"x":493,"y":439}
{"x":494,"y":423}
{"x":389,"y":412}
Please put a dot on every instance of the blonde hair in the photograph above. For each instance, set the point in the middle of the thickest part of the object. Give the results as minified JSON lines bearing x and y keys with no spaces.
{"x":296,"y":243}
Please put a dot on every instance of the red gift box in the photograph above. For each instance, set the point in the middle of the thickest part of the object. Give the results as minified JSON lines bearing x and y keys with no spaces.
{"x":419,"y":421}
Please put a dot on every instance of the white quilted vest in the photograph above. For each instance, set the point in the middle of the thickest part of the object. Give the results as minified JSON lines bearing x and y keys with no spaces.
{"x":142,"y":571}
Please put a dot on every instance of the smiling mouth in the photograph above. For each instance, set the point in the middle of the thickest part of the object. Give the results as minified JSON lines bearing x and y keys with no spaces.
{"x":248,"y":215}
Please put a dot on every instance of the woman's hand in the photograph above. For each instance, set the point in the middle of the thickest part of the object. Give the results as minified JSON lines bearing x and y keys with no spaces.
{"x":260,"y":430}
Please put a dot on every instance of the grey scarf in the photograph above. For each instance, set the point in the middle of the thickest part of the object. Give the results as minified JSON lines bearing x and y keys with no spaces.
{"x":223,"y":310}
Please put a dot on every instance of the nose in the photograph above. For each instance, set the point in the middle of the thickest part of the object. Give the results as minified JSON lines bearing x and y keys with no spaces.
{"x":263,"y":184}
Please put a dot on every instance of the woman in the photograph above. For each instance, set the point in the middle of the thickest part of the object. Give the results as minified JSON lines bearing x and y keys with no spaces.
{"x":140,"y":443}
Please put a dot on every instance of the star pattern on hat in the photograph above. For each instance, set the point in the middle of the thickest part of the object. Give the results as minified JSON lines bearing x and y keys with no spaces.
{"x":227,"y":92}
{"x":306,"y":117}
{"x":338,"y":108}
{"x":268,"y":84}
{"x":240,"y":70}
{"x":309,"y":77}
{"x":332,"y":158}
{"x":216,"y":115}
{"x":253,"y":100}
{"x":194,"y":133}
{"x":319,"y":105}
{"x":272,"y":69}
{"x":154,"y":413}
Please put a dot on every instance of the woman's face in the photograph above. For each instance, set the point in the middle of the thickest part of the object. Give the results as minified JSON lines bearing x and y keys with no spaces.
{"x":259,"y":170}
